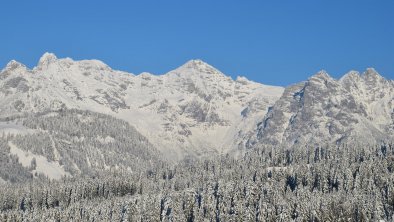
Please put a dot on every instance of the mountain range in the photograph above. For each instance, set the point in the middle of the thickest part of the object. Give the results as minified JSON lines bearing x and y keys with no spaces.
{"x":194,"y":111}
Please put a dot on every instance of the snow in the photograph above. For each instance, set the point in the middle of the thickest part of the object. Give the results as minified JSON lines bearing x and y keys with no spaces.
{"x":14,"y":128}
{"x":166,"y":108}
{"x":92,"y":85}
{"x":52,"y":170}
{"x":371,"y":90}
{"x":353,"y":108}
{"x":105,"y":140}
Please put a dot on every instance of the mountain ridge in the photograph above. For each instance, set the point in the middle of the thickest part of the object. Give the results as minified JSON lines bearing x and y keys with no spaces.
{"x":192,"y":110}
{"x":49,"y":57}
{"x":195,"y":109}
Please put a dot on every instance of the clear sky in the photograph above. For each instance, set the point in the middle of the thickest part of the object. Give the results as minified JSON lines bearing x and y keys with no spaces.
{"x":273,"y":42}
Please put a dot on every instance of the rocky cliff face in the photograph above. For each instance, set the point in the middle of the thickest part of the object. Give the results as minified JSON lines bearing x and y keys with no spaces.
{"x":357,"y":108}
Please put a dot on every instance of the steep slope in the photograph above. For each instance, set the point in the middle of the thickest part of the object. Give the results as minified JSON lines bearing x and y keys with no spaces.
{"x":356,"y":108}
{"x":194,"y":110}
{"x":70,"y":143}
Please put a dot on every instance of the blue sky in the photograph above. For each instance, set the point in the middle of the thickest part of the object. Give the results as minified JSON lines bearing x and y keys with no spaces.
{"x":273,"y":42}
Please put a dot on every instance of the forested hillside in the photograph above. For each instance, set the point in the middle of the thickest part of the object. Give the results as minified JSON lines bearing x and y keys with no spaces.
{"x":71,"y":143}
{"x":329,"y":183}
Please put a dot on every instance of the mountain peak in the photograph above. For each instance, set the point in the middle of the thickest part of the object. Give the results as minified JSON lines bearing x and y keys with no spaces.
{"x":13,"y":64}
{"x":322,"y":74}
{"x":197,"y":66}
{"x":195,"y":63}
{"x":350,"y":76}
{"x":371,"y":70}
{"x":371,"y":74}
{"x":352,"y":73}
{"x":47,"y":59}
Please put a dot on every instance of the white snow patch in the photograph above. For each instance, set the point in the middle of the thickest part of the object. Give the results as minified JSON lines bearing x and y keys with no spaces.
{"x":52,"y":170}
{"x":276,"y":168}
{"x":106,"y":140}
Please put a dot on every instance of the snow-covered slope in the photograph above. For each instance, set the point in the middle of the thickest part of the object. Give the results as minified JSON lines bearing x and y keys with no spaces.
{"x":193,"y":110}
{"x":51,"y":169}
{"x":357,"y":108}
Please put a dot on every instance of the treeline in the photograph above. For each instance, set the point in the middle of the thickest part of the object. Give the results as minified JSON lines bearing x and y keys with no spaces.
{"x":347,"y":183}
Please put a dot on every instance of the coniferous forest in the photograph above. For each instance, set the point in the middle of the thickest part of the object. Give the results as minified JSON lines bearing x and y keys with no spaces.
{"x":327,"y":183}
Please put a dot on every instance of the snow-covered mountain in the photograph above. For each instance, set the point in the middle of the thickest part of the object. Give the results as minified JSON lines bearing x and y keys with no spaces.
{"x":358,"y":108}
{"x":193,"y":110}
